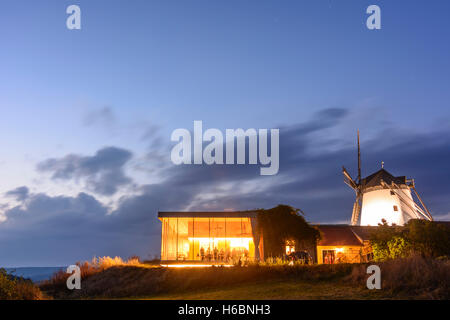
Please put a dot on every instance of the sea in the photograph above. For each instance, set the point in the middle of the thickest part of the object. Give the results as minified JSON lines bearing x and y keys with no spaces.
{"x":36,"y":274}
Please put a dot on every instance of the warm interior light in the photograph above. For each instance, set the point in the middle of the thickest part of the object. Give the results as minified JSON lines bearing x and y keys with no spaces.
{"x":290,"y":249}
{"x":339,"y":249}
{"x":194,"y":265}
{"x":232,"y":242}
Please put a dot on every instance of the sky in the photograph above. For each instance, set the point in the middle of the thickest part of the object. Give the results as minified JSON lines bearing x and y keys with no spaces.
{"x":87,"y":115}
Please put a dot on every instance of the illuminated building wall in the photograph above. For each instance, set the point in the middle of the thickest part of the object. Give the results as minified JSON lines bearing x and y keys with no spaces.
{"x":385,"y":204}
{"x":208,"y":239}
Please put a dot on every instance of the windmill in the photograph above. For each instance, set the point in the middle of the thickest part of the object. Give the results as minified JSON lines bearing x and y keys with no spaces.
{"x":382,"y":196}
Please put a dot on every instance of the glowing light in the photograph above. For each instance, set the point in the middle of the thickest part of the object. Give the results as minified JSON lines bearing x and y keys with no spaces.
{"x":195,"y":265}
{"x":290,"y":249}
{"x":380,"y":204}
{"x":339,"y":249}
{"x":233,"y":242}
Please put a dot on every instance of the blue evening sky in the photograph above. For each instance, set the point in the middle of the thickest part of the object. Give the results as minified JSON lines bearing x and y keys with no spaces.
{"x":136,"y":65}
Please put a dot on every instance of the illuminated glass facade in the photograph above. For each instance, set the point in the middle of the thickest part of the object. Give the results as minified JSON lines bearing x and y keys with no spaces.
{"x":213,"y":238}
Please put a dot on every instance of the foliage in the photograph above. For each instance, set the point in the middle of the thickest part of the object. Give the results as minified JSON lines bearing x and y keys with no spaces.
{"x":412,"y":277}
{"x":17,"y":288}
{"x":429,"y":238}
{"x":281,"y":224}
{"x":422,"y":237}
{"x":398,"y":247}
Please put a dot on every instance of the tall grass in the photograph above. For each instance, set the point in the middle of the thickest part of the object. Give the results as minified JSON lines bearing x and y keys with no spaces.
{"x":416,"y":276}
{"x":135,"y":281}
{"x":87,"y":268}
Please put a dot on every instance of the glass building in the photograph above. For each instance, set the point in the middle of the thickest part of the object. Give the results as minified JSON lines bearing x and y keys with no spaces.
{"x":210,"y":237}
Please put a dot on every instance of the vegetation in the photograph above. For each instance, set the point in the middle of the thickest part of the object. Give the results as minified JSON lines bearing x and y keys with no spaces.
{"x":57,"y":282}
{"x":281,"y":224}
{"x":417,"y":237}
{"x":415,"y":276}
{"x":17,"y":288}
{"x":407,"y":278}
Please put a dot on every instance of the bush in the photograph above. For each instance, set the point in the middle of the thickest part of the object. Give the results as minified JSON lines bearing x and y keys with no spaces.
{"x":17,"y":288}
{"x":426,"y":238}
{"x":429,"y":238}
{"x":398,"y":247}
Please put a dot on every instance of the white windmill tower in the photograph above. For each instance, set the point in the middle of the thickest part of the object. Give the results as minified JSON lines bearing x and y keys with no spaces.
{"x":384,"y":196}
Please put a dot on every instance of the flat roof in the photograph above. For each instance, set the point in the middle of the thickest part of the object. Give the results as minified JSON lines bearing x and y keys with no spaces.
{"x":207,"y":214}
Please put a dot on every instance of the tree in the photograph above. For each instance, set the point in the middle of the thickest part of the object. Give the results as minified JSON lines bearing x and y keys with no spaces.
{"x":283,"y":223}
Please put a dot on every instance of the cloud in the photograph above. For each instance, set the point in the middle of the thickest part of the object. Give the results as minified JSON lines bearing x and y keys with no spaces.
{"x":103,"y":172}
{"x":20,"y":193}
{"x":55,"y":230}
{"x":104,"y":116}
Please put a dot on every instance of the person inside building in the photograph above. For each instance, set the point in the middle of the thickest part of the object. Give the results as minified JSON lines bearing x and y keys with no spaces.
{"x":202,"y":253}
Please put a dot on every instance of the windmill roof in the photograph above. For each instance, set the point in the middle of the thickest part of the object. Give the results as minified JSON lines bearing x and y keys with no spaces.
{"x":375,"y":179}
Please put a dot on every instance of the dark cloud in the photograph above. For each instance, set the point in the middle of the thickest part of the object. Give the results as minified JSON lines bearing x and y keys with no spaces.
{"x":103,"y":172}
{"x":20,"y":193}
{"x":51,"y":230}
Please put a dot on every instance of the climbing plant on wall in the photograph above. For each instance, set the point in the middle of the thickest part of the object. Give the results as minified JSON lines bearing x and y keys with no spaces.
{"x":283,"y":223}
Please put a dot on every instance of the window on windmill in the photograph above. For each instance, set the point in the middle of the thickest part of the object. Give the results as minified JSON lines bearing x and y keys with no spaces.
{"x":395,"y":208}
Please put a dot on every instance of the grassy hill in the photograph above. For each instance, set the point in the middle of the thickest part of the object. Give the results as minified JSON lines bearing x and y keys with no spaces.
{"x":413,"y":278}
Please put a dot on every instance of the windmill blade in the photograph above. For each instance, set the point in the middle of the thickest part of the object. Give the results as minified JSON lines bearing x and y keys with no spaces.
{"x":418,"y":211}
{"x":348,"y":179}
{"x":356,"y":211}
{"x":359,"y":161}
{"x":430,"y":217}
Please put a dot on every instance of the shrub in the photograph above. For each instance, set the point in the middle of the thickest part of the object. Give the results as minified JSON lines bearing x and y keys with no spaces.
{"x":427,"y":238}
{"x":398,"y":247}
{"x":17,"y":288}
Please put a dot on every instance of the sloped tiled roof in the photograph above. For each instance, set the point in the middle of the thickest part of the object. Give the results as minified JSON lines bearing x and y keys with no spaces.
{"x":363,"y":232}
{"x":375,"y":179}
{"x":338,"y":235}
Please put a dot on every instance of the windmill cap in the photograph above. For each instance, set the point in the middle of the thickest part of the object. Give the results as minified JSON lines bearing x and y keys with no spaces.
{"x":376,"y":179}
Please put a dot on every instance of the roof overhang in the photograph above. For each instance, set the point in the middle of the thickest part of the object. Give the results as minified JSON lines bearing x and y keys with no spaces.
{"x":207,"y":214}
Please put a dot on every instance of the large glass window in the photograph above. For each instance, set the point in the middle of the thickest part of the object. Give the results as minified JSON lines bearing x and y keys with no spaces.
{"x":200,"y":238}
{"x":185,"y":247}
{"x":222,"y":240}
{"x":171,"y":246}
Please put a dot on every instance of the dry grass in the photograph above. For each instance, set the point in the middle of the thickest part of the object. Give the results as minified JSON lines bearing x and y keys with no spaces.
{"x":411,"y":278}
{"x":416,"y":276}
{"x":57,"y":283}
{"x":137,"y":281}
